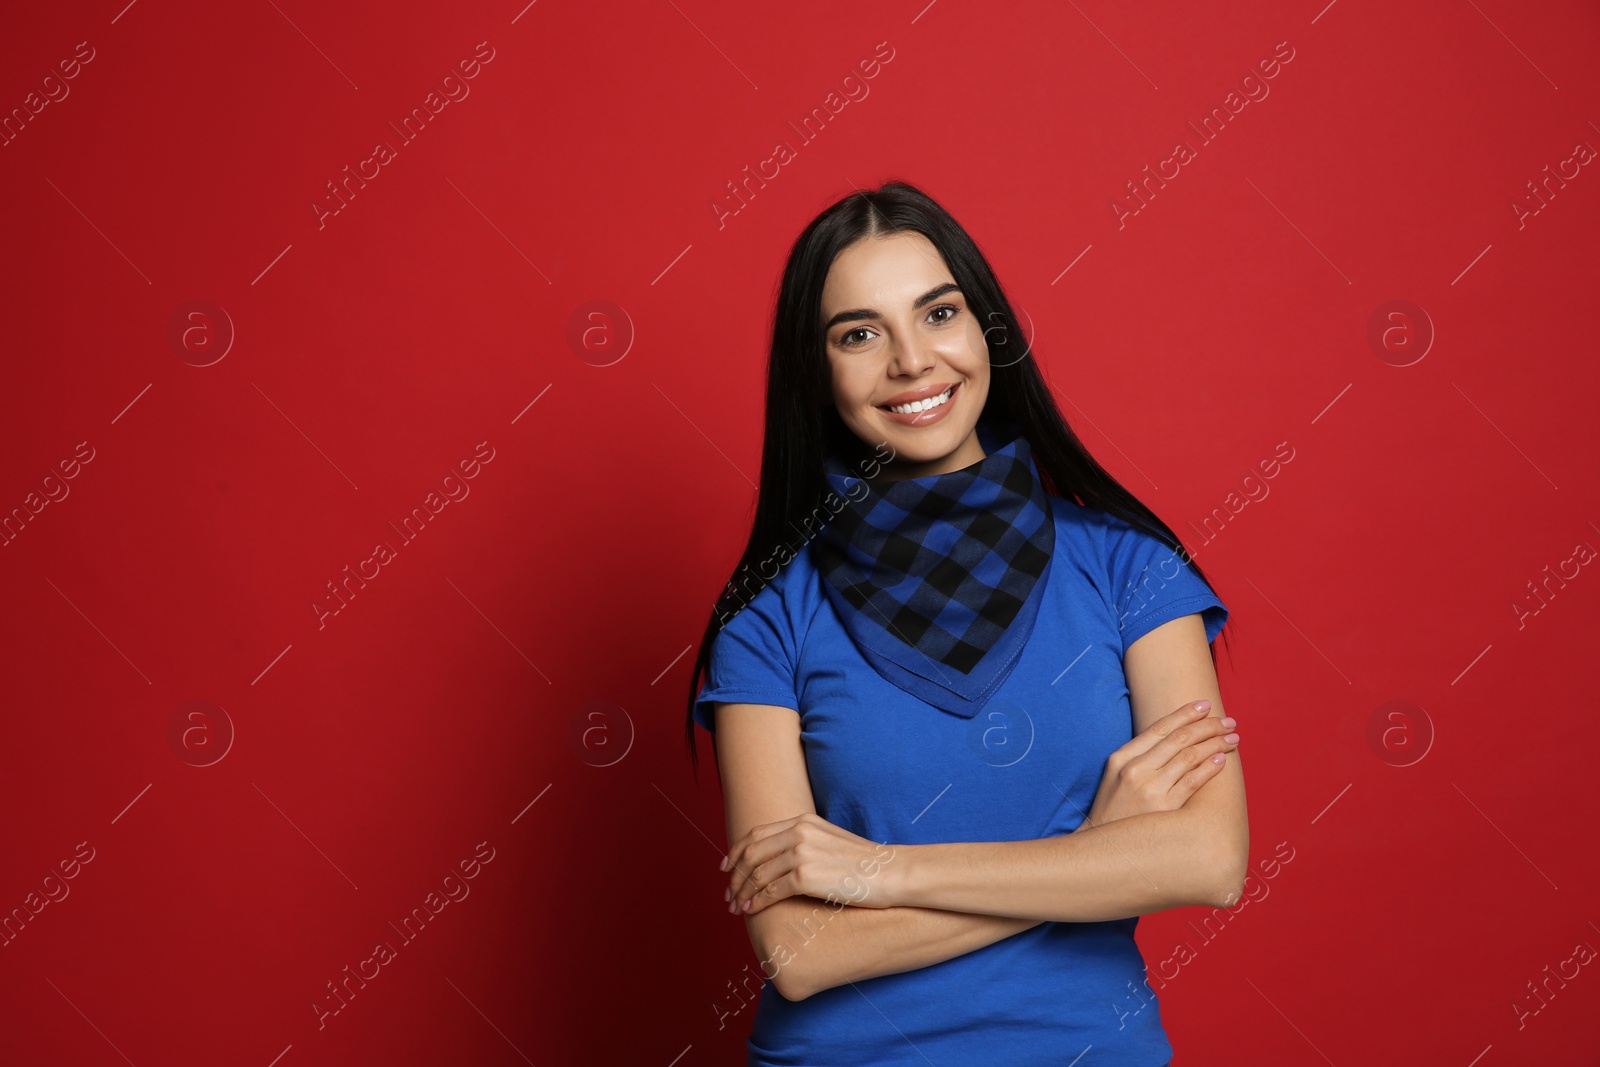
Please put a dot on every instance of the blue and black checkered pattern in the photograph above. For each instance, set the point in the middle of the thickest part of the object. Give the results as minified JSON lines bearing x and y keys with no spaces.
{"x":938,"y":575}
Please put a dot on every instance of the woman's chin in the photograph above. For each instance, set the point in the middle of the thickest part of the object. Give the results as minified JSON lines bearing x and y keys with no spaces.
{"x":918,"y":449}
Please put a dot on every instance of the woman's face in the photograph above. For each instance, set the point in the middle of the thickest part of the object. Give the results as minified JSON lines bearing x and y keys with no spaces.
{"x":896,"y":330}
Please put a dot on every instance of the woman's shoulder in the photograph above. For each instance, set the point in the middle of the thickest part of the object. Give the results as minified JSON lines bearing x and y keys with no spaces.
{"x":1098,"y":542}
{"x":1101,"y":529}
{"x":1084,"y":525}
{"x":781,"y":588}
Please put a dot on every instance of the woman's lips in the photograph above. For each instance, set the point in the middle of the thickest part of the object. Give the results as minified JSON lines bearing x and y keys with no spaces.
{"x":925,"y":418}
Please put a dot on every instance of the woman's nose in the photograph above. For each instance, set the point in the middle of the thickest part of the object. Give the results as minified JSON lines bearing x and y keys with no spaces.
{"x":912,"y":356}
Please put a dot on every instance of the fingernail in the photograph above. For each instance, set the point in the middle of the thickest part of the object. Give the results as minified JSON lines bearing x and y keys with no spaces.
{"x":746,"y":906}
{"x":1203,"y":705}
{"x":1232,"y":739}
{"x":1228,"y":723}
{"x":727,"y":894}
{"x":723,"y":865}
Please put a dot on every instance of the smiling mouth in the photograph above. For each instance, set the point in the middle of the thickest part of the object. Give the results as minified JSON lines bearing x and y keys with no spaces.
{"x":916,"y":406}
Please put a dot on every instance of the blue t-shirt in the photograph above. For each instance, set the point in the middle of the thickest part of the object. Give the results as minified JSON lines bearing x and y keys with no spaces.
{"x":892,"y":768}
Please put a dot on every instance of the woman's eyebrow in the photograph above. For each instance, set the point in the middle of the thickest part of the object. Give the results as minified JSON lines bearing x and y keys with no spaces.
{"x":868,"y":313}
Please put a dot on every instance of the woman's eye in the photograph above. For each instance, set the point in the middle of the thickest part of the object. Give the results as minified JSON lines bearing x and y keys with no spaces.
{"x":861,"y":334}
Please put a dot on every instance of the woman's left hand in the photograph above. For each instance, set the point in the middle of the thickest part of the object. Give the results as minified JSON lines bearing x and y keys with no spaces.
{"x":806,"y":856}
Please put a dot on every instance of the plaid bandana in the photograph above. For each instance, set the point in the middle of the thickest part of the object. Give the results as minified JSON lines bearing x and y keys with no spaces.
{"x":938,"y":579}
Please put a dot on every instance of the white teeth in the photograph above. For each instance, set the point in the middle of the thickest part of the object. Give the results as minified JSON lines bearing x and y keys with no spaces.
{"x":923,"y":405}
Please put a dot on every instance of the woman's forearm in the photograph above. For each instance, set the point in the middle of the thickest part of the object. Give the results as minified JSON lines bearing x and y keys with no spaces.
{"x":1133,"y":866}
{"x":814,"y":946}
{"x":960,"y":897}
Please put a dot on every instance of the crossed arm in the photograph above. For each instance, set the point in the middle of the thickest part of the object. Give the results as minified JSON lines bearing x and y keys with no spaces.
{"x":959,"y":897}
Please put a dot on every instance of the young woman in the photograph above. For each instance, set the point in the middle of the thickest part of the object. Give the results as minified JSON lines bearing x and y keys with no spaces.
{"x":965,"y":710}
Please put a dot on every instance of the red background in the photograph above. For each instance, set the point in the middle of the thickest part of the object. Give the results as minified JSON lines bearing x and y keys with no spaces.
{"x":1441,"y":859}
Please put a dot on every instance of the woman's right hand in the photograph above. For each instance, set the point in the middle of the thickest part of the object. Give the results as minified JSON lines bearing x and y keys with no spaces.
{"x":1161,"y":768}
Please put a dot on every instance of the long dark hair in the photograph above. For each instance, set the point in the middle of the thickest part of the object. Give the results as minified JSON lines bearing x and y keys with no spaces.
{"x":803,"y":427}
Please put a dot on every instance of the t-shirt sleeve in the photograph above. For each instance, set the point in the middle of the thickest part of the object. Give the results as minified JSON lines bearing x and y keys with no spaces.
{"x":1151,"y":583}
{"x":752,"y":660}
